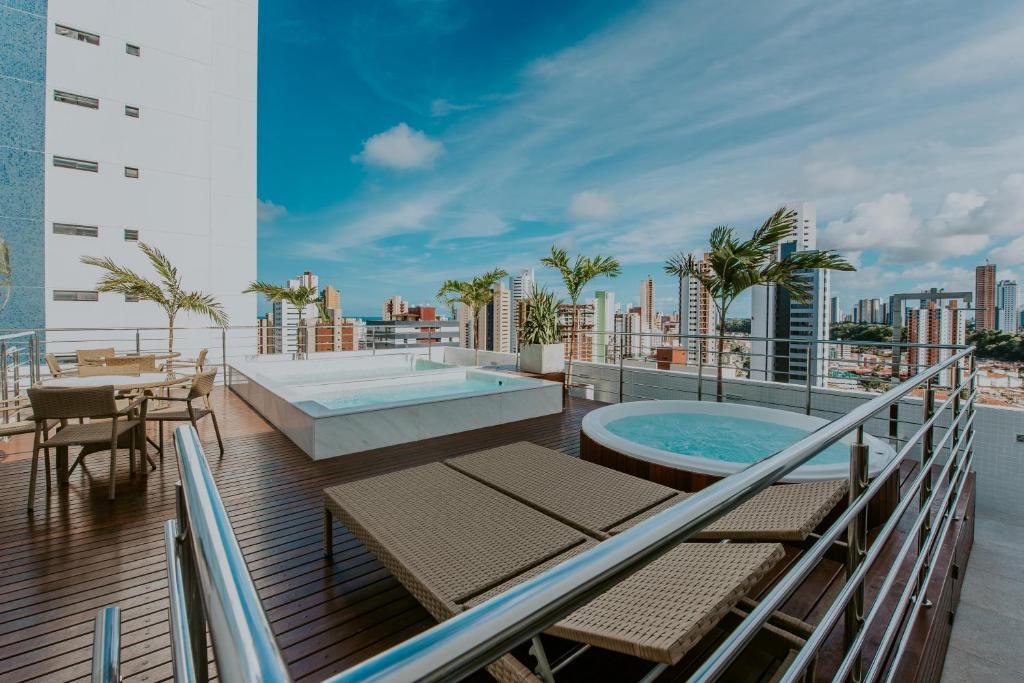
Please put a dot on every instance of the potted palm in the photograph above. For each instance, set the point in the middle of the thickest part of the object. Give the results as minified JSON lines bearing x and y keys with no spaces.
{"x":167,"y":292}
{"x":474,"y":294}
{"x":576,"y":276}
{"x":541,"y":350}
{"x":300,"y":297}
{"x":734,"y":266}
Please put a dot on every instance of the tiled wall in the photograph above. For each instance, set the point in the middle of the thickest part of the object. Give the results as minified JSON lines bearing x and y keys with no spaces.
{"x":22,"y":97}
{"x":998,"y":459}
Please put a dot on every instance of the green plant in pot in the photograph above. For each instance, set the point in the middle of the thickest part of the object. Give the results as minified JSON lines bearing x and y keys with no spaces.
{"x":541,"y":350}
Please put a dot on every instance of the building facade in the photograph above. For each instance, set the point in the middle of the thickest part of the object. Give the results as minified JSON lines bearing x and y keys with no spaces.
{"x":604,"y":327}
{"x":1007,"y":318}
{"x":399,"y":334}
{"x":149,"y":123}
{"x":793,"y":355}
{"x":934,"y":324}
{"x":699,"y":317}
{"x":499,"y":320}
{"x":521,"y":288}
{"x":582,"y":346}
{"x":985,"y":297}
{"x":393,"y":308}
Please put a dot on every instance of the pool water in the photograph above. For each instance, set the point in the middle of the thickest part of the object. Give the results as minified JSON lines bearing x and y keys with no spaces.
{"x":718,"y":437}
{"x":444,"y":386}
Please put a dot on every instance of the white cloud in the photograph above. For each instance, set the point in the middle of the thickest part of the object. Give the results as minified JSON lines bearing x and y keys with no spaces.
{"x":476,"y":224}
{"x":268,"y":212}
{"x":826,"y":170}
{"x":401,"y":148}
{"x":994,"y":54}
{"x":593,"y":205}
{"x":442,"y":107}
{"x":1011,"y":253}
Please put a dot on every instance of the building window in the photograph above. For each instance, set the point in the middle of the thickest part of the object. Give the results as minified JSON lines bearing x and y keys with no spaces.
{"x":76,"y":230}
{"x":131,"y":299}
{"x":84,"y":36}
{"x":77,"y":164}
{"x":131,"y":235}
{"x":131,"y":111}
{"x":80,"y":100}
{"x":75,"y":295}
{"x":133,"y":50}
{"x":131,"y":172}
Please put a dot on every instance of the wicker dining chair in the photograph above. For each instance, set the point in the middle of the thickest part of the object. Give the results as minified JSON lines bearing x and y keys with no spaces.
{"x":183,"y":408}
{"x":53,"y":365}
{"x":198,"y":363}
{"x":86,"y":355}
{"x":108,"y":429}
{"x":105,"y":370}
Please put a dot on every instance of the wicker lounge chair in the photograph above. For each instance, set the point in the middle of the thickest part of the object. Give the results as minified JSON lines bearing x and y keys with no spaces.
{"x":601,"y":501}
{"x":454,"y":542}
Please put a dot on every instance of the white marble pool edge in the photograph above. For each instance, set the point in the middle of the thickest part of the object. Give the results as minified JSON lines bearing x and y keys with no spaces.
{"x":594,"y":427}
{"x":352,"y":430}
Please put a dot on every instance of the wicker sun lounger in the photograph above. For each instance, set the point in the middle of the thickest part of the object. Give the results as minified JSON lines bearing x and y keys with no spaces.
{"x":454,"y":542}
{"x":602,"y":502}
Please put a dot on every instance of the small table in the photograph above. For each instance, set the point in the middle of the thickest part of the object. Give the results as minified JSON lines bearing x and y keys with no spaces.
{"x":146,"y":380}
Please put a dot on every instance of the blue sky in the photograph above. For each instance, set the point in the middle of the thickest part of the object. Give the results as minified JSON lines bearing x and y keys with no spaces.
{"x":403,"y":142}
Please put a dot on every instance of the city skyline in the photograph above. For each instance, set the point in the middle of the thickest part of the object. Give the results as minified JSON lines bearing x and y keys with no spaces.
{"x":422,"y":176}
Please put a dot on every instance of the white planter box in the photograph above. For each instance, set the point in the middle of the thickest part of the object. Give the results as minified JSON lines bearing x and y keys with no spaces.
{"x":542,"y":359}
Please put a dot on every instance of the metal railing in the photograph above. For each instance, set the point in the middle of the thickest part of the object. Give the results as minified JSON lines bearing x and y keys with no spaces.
{"x":211,"y":588}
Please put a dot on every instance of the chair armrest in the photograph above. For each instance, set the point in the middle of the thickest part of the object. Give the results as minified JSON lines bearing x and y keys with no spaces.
{"x":136,"y":402}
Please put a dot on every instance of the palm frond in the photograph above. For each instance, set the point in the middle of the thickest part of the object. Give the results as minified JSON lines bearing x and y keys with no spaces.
{"x":164,"y":268}
{"x":203,"y":304}
{"x":122,"y":280}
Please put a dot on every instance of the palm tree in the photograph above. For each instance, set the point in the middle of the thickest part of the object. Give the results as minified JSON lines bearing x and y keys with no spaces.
{"x":576,"y":276}
{"x":474,"y":294}
{"x":5,"y":273}
{"x":299,"y":297}
{"x":732,"y":267}
{"x":167,"y":292}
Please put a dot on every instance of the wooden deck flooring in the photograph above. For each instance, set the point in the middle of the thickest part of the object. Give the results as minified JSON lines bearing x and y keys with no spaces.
{"x":79,"y":552}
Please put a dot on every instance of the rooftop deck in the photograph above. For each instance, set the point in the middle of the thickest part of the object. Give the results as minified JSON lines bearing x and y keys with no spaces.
{"x":80,"y":552}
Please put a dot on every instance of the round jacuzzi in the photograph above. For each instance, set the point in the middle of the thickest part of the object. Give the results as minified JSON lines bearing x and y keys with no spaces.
{"x":690,"y":444}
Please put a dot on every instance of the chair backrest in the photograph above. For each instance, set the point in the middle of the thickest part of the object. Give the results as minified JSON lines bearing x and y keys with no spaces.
{"x":105,"y":370}
{"x":201,"y":360}
{"x":52,"y":364}
{"x":93,"y":354}
{"x":202,"y":383}
{"x":145,"y":363}
{"x":58,"y":403}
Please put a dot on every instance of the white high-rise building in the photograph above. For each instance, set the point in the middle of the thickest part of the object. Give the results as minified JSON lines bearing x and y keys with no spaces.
{"x":521,"y":286}
{"x":1007,"y":317}
{"x":287,"y":318}
{"x":774,"y":313}
{"x":150,"y":135}
{"x":499,"y":314}
{"x":698,"y":317}
{"x":604,"y":327}
{"x":648,"y":323}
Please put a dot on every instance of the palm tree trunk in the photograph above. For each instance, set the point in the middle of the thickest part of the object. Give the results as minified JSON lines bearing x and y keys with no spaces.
{"x":170,"y":335}
{"x":718,"y":361}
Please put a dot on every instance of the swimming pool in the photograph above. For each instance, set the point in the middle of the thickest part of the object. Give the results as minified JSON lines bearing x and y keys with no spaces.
{"x":717,"y":439}
{"x":347,"y":404}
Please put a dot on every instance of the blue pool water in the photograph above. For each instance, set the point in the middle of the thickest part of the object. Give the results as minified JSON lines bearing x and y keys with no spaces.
{"x":446,"y":386}
{"x":717,"y":437}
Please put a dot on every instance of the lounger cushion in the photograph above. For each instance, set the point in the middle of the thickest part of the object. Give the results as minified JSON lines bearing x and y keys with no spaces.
{"x":581,"y":494}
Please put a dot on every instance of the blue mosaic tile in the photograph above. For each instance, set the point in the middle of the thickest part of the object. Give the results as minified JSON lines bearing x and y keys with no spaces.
{"x":21,"y":184}
{"x":22,"y":110}
{"x":24,"y":308}
{"x":33,"y":6}
{"x":22,"y":45}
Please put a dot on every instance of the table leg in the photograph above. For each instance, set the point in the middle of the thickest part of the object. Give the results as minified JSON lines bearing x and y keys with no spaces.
{"x":62,"y":465}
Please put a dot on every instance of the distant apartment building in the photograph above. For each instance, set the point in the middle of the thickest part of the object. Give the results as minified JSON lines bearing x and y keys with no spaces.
{"x":498,"y":315}
{"x":869,"y":311}
{"x":604,"y":327}
{"x":834,"y":314}
{"x":353,"y":334}
{"x":332,"y":298}
{"x":582,"y":346}
{"x":699,"y":317}
{"x":393,"y":308}
{"x":418,"y":326}
{"x":520,"y":287}
{"x":1007,"y":318}
{"x":795,"y":324}
{"x":265,"y":335}
{"x":129,"y":122}
{"x":627,"y":328}
{"x":934,"y":324}
{"x":287,"y":318}
{"x":647,"y":305}
{"x":985,"y":297}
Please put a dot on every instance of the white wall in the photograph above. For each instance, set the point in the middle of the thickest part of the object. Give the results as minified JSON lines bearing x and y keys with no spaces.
{"x":194,"y":145}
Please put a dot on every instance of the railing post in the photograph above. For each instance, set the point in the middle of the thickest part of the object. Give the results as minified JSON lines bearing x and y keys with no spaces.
{"x":192,"y":591}
{"x":954,"y":412}
{"x":856,"y":547}
{"x":622,"y":361}
{"x":807,"y":371}
{"x":106,"y":646}
{"x":925,"y":496}
{"x":138,"y":343}
{"x":16,"y":370}
{"x":224,"y":354}
{"x":700,"y":369}
{"x":3,"y":371}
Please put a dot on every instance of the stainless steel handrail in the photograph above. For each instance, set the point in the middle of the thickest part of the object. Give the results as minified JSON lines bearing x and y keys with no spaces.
{"x":243,"y":642}
{"x":472,"y":639}
{"x":106,"y":646}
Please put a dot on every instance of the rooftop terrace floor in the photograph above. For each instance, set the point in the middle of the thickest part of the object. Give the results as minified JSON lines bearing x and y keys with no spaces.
{"x":80,"y":552}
